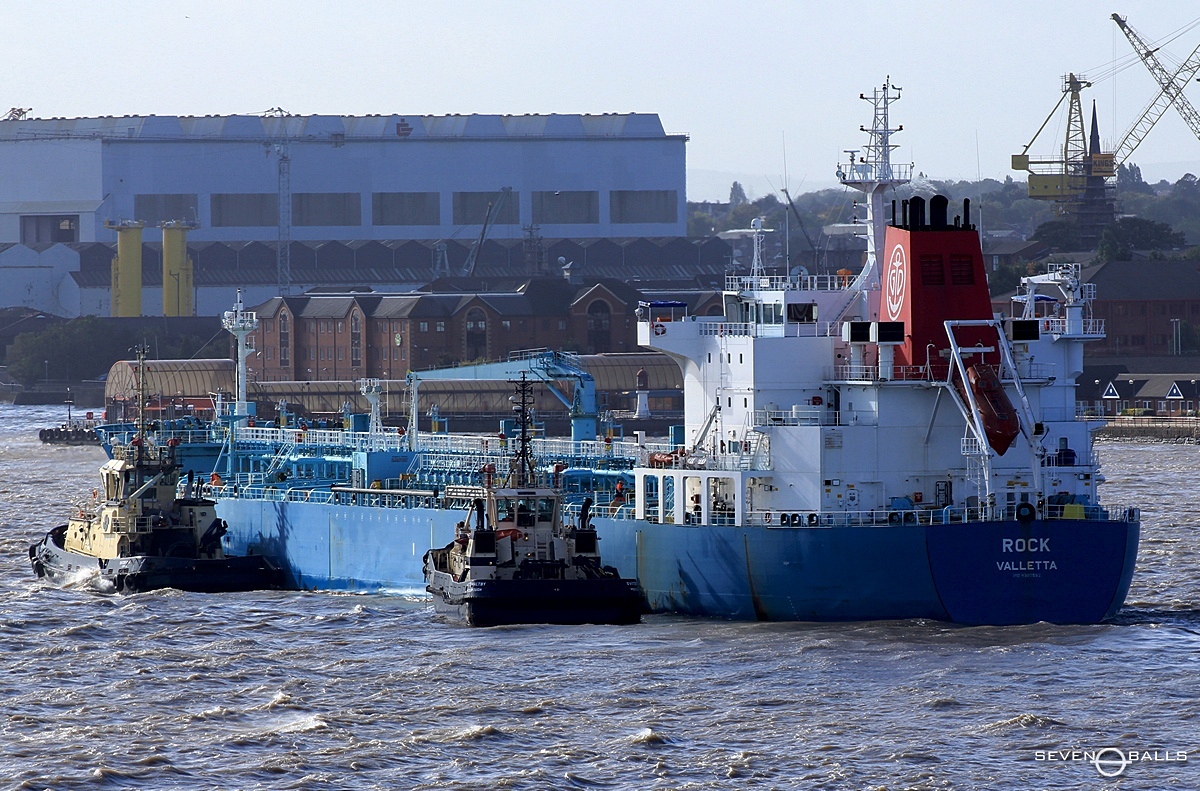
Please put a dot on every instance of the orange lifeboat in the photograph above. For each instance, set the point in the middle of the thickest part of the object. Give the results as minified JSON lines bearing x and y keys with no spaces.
{"x":999,"y":418}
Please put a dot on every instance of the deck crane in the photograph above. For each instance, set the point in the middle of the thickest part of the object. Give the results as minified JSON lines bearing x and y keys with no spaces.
{"x":542,"y":365}
{"x":494,"y":208}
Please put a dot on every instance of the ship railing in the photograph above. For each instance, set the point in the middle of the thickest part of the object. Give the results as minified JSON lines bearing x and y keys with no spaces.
{"x":1069,"y":457}
{"x":925,"y":373}
{"x":322,"y":438}
{"x":336,"y":495}
{"x":934,"y":516}
{"x":703,"y":460}
{"x":608,"y":511}
{"x":788,"y":282}
{"x":151,"y":454}
{"x":130,"y":524}
{"x":718,"y":327}
{"x":1059,"y":326}
{"x":798,"y":415}
{"x":898,"y":373}
{"x":161,"y":436}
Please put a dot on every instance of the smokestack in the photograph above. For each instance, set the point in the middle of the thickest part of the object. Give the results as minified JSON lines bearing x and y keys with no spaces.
{"x":918,"y":213}
{"x":939,"y":206}
{"x":967,"y":213}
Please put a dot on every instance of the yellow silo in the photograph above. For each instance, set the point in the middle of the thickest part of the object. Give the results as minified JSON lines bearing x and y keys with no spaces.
{"x":178,"y":286}
{"x":127,"y":268}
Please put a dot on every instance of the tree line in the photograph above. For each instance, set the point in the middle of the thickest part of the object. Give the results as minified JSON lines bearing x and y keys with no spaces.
{"x":87,"y":347}
{"x":1163,"y":217}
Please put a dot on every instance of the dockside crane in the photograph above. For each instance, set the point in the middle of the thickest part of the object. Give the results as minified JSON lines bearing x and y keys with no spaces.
{"x":1078,"y":179}
{"x":542,"y":365}
{"x":1170,"y":92}
{"x":1075,"y":178}
{"x":494,"y":208}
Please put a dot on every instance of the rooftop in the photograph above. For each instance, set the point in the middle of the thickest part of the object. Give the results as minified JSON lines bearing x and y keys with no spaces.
{"x":332,"y":127}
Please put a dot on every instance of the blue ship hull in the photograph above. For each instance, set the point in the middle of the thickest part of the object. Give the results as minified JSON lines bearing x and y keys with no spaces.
{"x":1003,"y":572}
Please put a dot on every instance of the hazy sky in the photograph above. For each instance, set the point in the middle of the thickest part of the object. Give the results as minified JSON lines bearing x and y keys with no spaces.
{"x":745,"y":80}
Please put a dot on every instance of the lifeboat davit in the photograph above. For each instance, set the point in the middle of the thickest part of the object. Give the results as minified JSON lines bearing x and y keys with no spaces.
{"x":999,"y":418}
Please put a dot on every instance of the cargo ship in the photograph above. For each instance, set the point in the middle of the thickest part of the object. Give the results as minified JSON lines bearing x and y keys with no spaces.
{"x":870,"y":445}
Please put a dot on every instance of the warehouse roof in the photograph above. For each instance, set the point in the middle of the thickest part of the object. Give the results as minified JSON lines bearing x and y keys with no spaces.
{"x":331,"y":127}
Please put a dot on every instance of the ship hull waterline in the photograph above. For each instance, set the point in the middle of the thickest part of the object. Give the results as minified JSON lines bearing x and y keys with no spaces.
{"x":141,"y":573}
{"x":510,"y":602}
{"x":999,"y":572}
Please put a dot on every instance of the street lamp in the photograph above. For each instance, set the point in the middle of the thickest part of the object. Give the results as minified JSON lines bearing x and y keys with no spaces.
{"x":47,"y":380}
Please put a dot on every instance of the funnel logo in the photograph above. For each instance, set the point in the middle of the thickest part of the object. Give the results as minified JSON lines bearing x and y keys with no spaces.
{"x":895,"y":277}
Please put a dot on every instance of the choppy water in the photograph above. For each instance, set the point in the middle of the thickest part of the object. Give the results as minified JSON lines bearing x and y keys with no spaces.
{"x":280,"y":690}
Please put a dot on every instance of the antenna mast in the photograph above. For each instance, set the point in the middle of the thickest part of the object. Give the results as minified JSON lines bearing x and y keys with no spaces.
{"x":873,"y":173}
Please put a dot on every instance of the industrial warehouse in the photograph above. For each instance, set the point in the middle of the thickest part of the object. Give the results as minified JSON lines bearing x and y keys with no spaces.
{"x":282,"y":203}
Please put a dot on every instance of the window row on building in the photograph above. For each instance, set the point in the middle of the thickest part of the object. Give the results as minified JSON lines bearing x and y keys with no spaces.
{"x":258,"y":209}
{"x":341,"y":337}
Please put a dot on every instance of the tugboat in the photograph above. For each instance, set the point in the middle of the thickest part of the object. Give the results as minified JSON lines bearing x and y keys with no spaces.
{"x":517,"y":563}
{"x":136,"y":534}
{"x":74,"y":431}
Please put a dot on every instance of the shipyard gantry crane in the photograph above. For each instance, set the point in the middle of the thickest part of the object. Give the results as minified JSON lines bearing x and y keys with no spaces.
{"x":1077,"y":179}
{"x":1170,"y":92}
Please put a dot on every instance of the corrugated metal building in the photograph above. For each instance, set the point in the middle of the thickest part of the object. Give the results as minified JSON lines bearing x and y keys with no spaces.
{"x":366,"y":178}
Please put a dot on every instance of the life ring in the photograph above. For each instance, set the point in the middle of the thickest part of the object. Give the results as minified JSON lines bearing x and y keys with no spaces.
{"x":659,"y":328}
{"x":1026,"y":512}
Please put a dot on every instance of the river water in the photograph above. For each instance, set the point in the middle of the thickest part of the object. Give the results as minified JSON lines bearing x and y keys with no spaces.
{"x":283,"y":690}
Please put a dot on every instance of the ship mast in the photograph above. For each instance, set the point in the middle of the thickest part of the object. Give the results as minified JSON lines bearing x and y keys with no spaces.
{"x":141,"y":396}
{"x":522,"y":401}
{"x":872,"y":173}
{"x":241,"y":323}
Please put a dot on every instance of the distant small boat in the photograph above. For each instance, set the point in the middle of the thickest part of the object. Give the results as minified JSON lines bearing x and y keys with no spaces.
{"x":75,"y":431}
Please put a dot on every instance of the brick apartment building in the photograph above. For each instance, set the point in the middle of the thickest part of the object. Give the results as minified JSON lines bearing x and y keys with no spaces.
{"x":320,"y":337}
